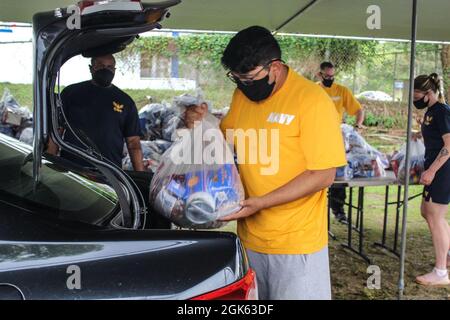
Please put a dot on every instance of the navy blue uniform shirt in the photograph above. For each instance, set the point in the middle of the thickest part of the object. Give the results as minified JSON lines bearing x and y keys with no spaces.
{"x":105,"y":115}
{"x":435,"y":124}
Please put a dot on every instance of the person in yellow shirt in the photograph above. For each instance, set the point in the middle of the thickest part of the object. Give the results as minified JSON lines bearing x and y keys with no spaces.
{"x":288,"y":141}
{"x":344,"y":102}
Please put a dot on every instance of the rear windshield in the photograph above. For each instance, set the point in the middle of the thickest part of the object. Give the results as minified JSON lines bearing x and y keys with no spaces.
{"x":63,"y":195}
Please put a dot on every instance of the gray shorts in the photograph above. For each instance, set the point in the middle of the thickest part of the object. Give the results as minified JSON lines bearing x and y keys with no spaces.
{"x":292,"y":276}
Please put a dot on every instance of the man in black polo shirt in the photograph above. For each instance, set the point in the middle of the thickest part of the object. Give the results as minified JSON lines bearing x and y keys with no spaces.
{"x":103,"y":113}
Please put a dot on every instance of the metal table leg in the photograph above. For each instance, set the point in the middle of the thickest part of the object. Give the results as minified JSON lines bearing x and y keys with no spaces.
{"x":360,"y":212}
{"x":383,"y":244}
{"x":398,"y":205}
{"x":397,"y":220}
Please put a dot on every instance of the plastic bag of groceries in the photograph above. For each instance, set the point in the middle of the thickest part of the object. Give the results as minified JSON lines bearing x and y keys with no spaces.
{"x":13,"y":117}
{"x":417,"y":157}
{"x":344,"y":173}
{"x":197,"y":181}
{"x":26,"y":136}
{"x":151,"y":151}
{"x":365,"y":166}
{"x":356,"y":144}
{"x":159,"y":121}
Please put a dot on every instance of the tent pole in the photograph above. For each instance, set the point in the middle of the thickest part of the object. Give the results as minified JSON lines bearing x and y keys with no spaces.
{"x":401,"y":282}
{"x":299,"y":12}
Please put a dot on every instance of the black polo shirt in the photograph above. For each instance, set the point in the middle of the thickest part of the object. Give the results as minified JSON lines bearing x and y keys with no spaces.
{"x":435,"y":124}
{"x":106,"y":115}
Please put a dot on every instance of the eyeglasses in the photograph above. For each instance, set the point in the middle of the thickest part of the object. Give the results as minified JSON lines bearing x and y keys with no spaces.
{"x":249,"y":81}
{"x":327,"y":77}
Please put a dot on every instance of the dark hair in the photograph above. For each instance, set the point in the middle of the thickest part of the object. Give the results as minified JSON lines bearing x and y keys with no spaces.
{"x":326,"y":65}
{"x":429,"y":82}
{"x":93,"y":59}
{"x":249,"y":48}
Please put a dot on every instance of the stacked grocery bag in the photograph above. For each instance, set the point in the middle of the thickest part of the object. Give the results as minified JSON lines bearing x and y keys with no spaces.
{"x":151,"y":152}
{"x":417,"y":158}
{"x":14,"y":119}
{"x":195,"y":191}
{"x":159,"y":122}
{"x":363,"y":160}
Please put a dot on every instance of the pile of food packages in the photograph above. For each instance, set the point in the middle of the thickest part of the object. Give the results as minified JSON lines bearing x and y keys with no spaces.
{"x":15,"y":121}
{"x":363,"y":160}
{"x":158,"y":122}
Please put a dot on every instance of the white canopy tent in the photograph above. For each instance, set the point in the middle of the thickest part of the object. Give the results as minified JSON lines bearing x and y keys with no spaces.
{"x":423,"y":20}
{"x":316,"y":17}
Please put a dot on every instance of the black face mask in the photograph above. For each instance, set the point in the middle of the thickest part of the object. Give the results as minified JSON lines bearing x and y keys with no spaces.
{"x":259,"y":90}
{"x":103,"y":77}
{"x":420,"y":104}
{"x":328,"y":82}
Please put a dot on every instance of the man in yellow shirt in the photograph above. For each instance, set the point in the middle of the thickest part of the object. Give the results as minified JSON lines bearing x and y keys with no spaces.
{"x":288,"y":141}
{"x":344,"y":102}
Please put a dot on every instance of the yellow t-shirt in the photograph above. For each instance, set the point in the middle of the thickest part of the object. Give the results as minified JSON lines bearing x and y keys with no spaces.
{"x":343,"y":100}
{"x":309,"y":138}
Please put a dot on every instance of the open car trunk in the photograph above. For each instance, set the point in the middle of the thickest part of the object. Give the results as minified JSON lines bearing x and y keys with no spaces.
{"x":100,"y":33}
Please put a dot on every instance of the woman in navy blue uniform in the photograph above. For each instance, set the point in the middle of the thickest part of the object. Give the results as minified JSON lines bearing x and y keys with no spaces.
{"x":436,"y":177}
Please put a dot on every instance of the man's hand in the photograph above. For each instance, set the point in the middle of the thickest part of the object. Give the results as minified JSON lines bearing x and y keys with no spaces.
{"x":304,"y":184}
{"x":360,"y":115}
{"x":360,"y":128}
{"x":427,"y":177}
{"x":416,"y":136}
{"x":195,"y":113}
{"x":249,"y":207}
{"x":52,"y":147}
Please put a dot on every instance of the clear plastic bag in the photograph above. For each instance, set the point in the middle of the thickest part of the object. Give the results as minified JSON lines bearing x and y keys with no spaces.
{"x":356,"y":144}
{"x":417,"y":162}
{"x":159,"y":121}
{"x":8,"y":101}
{"x":151,"y":151}
{"x":13,"y":117}
{"x":192,"y":189}
{"x":27,"y":136}
{"x":344,"y":173}
{"x":363,"y":160}
{"x":365,"y":166}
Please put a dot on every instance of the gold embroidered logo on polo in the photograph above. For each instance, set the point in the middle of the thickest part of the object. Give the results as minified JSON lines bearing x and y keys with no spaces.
{"x":117,"y":107}
{"x":428,"y":120}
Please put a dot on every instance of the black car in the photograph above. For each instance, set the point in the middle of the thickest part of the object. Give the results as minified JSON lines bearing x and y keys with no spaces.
{"x":68,"y":232}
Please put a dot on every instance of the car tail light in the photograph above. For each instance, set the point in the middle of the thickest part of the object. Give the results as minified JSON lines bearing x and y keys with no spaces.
{"x":91,"y":6}
{"x":244,"y":289}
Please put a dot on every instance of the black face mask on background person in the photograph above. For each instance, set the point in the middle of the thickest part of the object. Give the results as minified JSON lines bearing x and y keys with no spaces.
{"x":327,"y":82}
{"x":103,"y":77}
{"x":420,"y":104}
{"x":259,"y":90}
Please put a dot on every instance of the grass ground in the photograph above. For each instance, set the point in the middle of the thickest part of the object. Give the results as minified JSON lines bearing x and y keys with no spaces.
{"x":219,"y":98}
